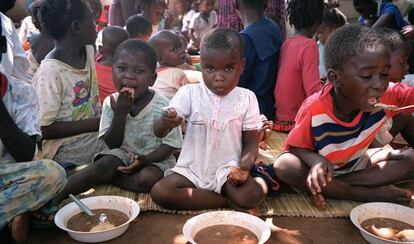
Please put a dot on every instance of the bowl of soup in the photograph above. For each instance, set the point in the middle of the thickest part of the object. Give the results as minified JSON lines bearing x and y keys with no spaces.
{"x":118,"y":213}
{"x":226,"y":227}
{"x":384,"y":223}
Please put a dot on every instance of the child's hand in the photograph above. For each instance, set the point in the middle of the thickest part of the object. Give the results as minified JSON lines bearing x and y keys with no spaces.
{"x":136,"y":165}
{"x":171,"y":119}
{"x":319,"y":176}
{"x":238,"y":176}
{"x":123,"y":105}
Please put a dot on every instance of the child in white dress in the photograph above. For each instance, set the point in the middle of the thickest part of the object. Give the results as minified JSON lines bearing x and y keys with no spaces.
{"x":220,"y":146}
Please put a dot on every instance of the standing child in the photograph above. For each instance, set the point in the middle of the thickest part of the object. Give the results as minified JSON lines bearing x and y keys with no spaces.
{"x":262,"y":41}
{"x":170,"y":54}
{"x":66,"y":83}
{"x":200,"y":24}
{"x":138,"y":27}
{"x":112,"y":36}
{"x":191,"y":8}
{"x":220,"y":146}
{"x":298,"y":75}
{"x":136,"y":158}
{"x":332,"y":20}
{"x":328,"y":148}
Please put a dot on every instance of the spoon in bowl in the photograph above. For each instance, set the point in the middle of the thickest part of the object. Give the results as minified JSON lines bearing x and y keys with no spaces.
{"x":81,"y":205}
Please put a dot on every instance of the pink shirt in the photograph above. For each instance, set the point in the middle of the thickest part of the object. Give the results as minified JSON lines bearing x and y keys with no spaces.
{"x":298,"y":76}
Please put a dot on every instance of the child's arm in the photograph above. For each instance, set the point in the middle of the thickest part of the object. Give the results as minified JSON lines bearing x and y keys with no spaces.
{"x":20,"y":145}
{"x":114,"y":136}
{"x":321,"y":170}
{"x":193,"y":38}
{"x":167,"y":122}
{"x":140,"y":161}
{"x":62,"y":129}
{"x":384,"y":20}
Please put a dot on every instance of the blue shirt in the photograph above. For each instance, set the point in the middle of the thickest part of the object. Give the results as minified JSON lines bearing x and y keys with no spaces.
{"x":389,"y":8}
{"x":262,"y":41}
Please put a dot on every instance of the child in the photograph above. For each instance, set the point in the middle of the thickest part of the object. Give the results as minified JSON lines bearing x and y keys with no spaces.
{"x":66,"y":83}
{"x":220,"y":146}
{"x":328,"y":148}
{"x":170,"y":54}
{"x":136,"y":158}
{"x":191,"y":8}
{"x":153,"y":11}
{"x":200,"y":24}
{"x":139,"y":27}
{"x":375,"y":13}
{"x":112,"y":36}
{"x":262,"y":40}
{"x":299,"y":73}
{"x":25,"y":185}
{"x":332,"y":19}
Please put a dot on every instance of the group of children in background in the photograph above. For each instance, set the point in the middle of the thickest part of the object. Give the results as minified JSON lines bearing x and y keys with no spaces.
{"x":324,"y":93}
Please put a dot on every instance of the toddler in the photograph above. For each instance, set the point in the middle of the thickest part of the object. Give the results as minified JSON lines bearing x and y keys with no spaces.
{"x":66,"y":83}
{"x":170,"y":54}
{"x":136,"y":158}
{"x":200,"y":24}
{"x":112,"y":36}
{"x":298,"y":75}
{"x":332,"y":19}
{"x":220,"y":145}
{"x":327,"y":151}
{"x":138,"y":27}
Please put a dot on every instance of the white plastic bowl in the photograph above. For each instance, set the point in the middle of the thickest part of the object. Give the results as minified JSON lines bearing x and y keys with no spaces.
{"x":380,"y":210}
{"x":250,"y":222}
{"x":123,"y":204}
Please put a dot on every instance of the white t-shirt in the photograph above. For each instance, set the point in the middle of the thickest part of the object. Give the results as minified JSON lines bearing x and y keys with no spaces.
{"x":201,"y":26}
{"x":21,"y":102}
{"x":169,"y":80}
{"x":210,"y":151}
{"x":187,"y":19}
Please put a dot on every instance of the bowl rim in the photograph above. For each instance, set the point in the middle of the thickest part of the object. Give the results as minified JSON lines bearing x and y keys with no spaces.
{"x":353,"y":216}
{"x":265,"y":236}
{"x":97,"y":232}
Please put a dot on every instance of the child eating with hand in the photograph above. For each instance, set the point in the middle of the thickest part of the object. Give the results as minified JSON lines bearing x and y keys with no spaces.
{"x":170,"y":55}
{"x":327,"y":151}
{"x":220,"y":146}
{"x":136,"y":158}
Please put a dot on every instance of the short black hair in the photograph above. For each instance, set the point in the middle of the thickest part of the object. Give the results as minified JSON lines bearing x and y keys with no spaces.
{"x":137,"y":46}
{"x":58,"y":15}
{"x":252,"y":4}
{"x":393,"y":37}
{"x":222,"y":38}
{"x":334,"y":18}
{"x":137,"y":24}
{"x":347,"y":41}
{"x":304,"y":13}
{"x":359,"y":2}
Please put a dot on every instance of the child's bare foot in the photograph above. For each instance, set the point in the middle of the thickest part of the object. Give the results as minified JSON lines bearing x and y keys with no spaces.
{"x":391,"y":194}
{"x":318,"y":201}
{"x":19,"y":228}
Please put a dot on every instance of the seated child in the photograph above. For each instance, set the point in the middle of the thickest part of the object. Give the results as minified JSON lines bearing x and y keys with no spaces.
{"x":328,"y":151}
{"x":25,"y":185}
{"x":200,"y":24}
{"x":139,"y":27}
{"x":153,"y":11}
{"x":136,"y":158}
{"x":331,"y":20}
{"x":299,"y":72}
{"x":220,"y":146}
{"x":66,"y":83}
{"x":376,"y":13}
{"x":112,"y":36}
{"x":170,"y":54}
{"x":262,"y":41}
{"x":190,"y":8}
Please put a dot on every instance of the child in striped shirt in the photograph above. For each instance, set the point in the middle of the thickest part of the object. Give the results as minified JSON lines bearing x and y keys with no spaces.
{"x":327,"y":151}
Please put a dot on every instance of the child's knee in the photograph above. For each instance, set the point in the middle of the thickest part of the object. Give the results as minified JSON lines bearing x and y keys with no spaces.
{"x":107,"y":165}
{"x":55,"y":175}
{"x":285,"y":165}
{"x":159,"y":194}
{"x":148,"y":179}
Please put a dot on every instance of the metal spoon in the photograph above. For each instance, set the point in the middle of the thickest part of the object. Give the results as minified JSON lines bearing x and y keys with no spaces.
{"x":194,"y":122}
{"x":81,"y":205}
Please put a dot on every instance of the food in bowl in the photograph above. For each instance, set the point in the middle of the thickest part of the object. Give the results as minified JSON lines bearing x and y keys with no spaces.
{"x":86,"y":223}
{"x":230,"y":234}
{"x":389,"y":229}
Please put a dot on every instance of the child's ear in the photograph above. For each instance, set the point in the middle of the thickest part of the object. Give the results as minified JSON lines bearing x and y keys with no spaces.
{"x":243,"y":66}
{"x":153,"y":78}
{"x":333,"y":77}
{"x":75,"y":28}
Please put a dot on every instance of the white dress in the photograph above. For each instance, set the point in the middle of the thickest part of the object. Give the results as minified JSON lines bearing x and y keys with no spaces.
{"x":210,"y":151}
